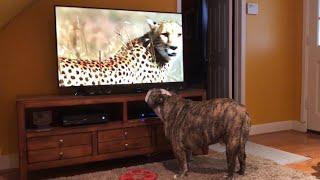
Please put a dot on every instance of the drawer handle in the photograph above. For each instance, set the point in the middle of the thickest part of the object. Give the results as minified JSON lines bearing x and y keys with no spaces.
{"x":126,"y":133}
{"x":126,"y":145}
{"x":61,"y":155}
{"x":61,"y":141}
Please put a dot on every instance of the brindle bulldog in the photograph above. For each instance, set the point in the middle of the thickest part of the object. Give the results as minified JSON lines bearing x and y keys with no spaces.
{"x":191,"y":126}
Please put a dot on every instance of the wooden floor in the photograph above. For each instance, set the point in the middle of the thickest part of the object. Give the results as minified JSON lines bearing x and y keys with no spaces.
{"x":305,"y":144}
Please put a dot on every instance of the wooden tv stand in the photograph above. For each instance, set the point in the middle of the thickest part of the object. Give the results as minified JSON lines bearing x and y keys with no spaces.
{"x":124,"y":135}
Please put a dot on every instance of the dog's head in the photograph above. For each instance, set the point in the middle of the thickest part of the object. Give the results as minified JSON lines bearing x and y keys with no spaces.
{"x":156,"y":97}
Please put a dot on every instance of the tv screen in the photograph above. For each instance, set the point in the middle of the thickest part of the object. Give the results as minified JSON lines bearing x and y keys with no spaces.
{"x":118,"y":47}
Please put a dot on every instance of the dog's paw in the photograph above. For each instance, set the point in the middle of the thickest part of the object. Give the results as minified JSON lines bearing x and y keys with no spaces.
{"x":190,"y":160}
{"x":241,"y":172}
{"x":189,"y":165}
{"x":227,"y":177}
{"x":176,"y":176}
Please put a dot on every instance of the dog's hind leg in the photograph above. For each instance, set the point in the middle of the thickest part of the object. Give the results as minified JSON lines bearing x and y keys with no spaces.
{"x":181,"y":156}
{"x":242,"y":150}
{"x":189,"y":156}
{"x":242,"y":159}
{"x":242,"y":144}
{"x":231,"y":153}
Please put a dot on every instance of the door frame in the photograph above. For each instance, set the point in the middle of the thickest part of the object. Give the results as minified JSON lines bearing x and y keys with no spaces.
{"x":304,"y":106}
{"x":179,"y":6}
{"x":231,"y":44}
{"x":240,"y":36}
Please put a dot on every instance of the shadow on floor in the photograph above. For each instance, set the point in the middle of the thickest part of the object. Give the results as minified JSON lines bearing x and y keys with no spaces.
{"x":316,"y":168}
{"x":200,"y":164}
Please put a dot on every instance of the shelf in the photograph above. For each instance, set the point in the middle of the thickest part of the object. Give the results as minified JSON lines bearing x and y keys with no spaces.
{"x":55,"y":101}
{"x":93,"y":127}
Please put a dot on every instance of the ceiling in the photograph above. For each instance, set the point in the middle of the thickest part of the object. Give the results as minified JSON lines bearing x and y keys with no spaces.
{"x":10,"y":8}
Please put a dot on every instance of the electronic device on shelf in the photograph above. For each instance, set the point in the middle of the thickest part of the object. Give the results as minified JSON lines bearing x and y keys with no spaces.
{"x":84,"y":119}
{"x":145,"y":115}
{"x":42,"y":120}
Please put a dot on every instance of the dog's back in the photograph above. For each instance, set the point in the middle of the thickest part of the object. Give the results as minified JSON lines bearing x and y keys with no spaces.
{"x":199,"y":124}
{"x":213,"y":121}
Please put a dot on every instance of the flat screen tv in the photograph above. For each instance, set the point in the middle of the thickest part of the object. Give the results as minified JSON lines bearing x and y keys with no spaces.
{"x":109,"y":47}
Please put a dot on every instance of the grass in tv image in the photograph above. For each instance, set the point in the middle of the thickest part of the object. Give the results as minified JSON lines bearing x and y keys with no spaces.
{"x":108,"y":47}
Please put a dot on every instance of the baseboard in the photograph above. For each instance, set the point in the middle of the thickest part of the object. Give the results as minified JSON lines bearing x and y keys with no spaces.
{"x":9,"y":161}
{"x":299,"y":126}
{"x":277,"y":126}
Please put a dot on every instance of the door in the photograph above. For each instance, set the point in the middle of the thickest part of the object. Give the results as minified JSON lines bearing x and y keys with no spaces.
{"x":218,"y":48}
{"x":194,"y":48}
{"x":313,"y":61}
{"x":208,"y":45}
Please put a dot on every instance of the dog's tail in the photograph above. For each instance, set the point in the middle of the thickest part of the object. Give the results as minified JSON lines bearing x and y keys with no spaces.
{"x":245,"y":130}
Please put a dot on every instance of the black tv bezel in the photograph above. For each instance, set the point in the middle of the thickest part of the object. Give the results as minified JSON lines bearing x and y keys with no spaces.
{"x":117,"y":88}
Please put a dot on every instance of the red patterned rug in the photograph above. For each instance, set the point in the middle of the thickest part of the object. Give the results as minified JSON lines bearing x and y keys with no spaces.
{"x":139,"y":174}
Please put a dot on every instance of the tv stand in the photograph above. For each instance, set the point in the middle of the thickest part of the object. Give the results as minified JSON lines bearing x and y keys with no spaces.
{"x":139,"y":90}
{"x":125,"y":134}
{"x":85,"y":91}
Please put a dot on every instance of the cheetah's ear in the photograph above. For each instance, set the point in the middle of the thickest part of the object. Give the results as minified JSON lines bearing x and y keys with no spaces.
{"x":152,"y":24}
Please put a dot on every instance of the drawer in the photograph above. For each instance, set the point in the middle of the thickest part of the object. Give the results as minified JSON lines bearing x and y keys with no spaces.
{"x":121,"y":134}
{"x":110,"y":135}
{"x":59,"y":153}
{"x":117,"y":146}
{"x":48,"y":142}
{"x":137,"y":132}
{"x":111,"y":146}
{"x":137,"y":143}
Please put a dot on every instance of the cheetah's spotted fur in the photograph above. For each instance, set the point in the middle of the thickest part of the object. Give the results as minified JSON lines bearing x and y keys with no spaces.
{"x":142,"y":60}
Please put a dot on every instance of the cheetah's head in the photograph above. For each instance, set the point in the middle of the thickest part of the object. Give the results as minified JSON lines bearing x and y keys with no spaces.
{"x":167,"y":38}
